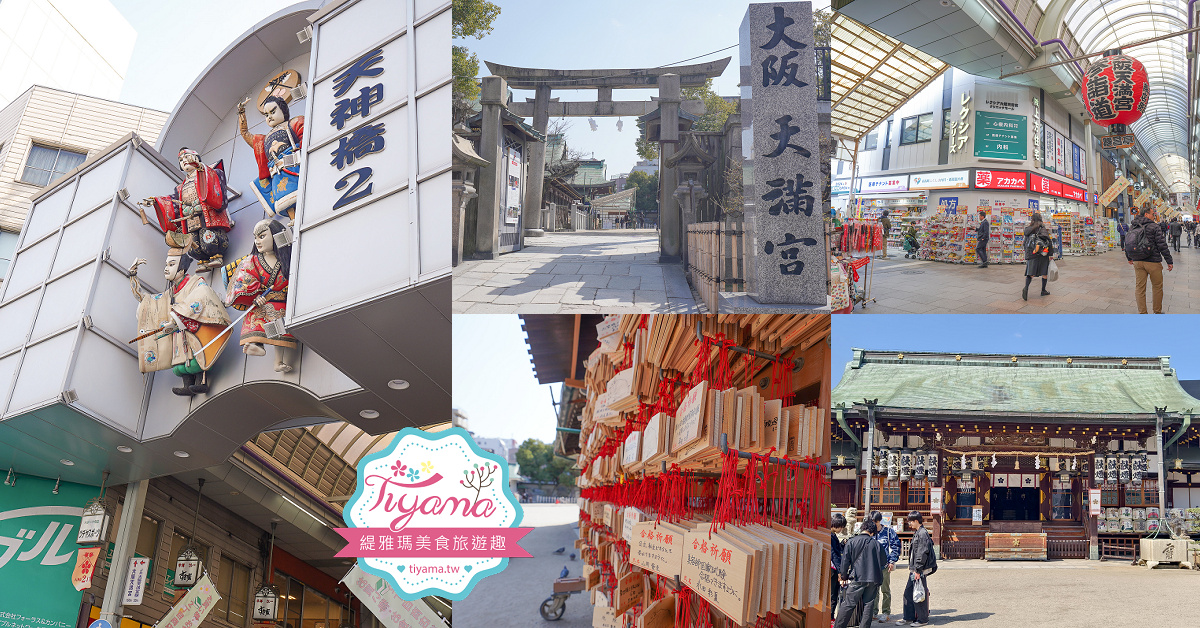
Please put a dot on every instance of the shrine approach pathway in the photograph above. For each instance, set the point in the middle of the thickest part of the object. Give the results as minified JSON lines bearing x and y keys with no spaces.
{"x":609,"y":271}
{"x":1093,"y":284}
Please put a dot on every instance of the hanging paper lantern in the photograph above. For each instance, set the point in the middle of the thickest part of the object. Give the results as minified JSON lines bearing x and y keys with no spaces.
{"x":931,"y":466}
{"x":893,"y":464}
{"x":918,"y":466}
{"x":1123,"y":469}
{"x":881,"y":460}
{"x":1135,"y":467}
{"x":1116,"y":89}
{"x":905,"y":464}
{"x":1145,"y":461}
{"x":1110,"y":467}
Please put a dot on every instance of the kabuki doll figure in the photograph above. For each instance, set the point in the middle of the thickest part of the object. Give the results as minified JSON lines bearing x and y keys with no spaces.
{"x":182,"y":329}
{"x":194,"y":216}
{"x":258,"y":282}
{"x":277,"y":154}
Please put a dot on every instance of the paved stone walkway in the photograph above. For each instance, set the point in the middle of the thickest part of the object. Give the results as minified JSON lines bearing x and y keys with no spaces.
{"x":1096,"y":284}
{"x":614,"y":271}
{"x":1058,"y":593}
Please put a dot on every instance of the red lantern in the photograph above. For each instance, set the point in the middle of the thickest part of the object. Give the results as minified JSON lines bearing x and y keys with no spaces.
{"x":1116,"y":90}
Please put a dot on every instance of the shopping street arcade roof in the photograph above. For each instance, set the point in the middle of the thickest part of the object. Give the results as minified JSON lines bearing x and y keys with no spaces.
{"x":872,"y":76}
{"x":1006,"y":34}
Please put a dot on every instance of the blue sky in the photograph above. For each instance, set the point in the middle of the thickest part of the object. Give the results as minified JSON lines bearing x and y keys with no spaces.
{"x":618,"y":34}
{"x":494,"y":383}
{"x":177,"y":40}
{"x":1127,"y":335}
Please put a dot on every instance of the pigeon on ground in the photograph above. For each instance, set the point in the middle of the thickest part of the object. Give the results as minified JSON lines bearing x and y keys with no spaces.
{"x":564,"y":573}
{"x":560,"y":550}
{"x":572,"y":555}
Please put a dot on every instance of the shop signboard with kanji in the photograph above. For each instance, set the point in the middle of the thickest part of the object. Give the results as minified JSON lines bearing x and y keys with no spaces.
{"x":1043,"y":185}
{"x":786,"y":224}
{"x":999,"y":180}
{"x":376,"y":166}
{"x":1001,"y":136}
{"x":38,"y":552}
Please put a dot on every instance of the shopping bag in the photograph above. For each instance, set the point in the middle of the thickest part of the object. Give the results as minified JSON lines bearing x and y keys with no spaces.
{"x":918,"y":591}
{"x":1052,"y":274}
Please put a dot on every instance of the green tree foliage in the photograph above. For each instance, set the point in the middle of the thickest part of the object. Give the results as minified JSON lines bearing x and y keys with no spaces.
{"x":822,"y":26}
{"x":716,"y":109}
{"x":645,"y":148}
{"x":646,"y":199}
{"x":537,"y":462}
{"x":472,"y":18}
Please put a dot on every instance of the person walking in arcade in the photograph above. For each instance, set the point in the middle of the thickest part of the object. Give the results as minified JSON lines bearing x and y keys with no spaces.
{"x":1038,"y":248}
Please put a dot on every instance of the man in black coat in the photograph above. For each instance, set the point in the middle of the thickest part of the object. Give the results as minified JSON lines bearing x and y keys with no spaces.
{"x":1176,"y":233}
{"x":1149,"y":264}
{"x":982,"y":233}
{"x":921,"y":562}
{"x":860,"y":574}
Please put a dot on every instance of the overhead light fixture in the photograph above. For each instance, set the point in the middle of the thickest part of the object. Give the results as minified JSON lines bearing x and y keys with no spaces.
{"x":179,"y":453}
{"x":69,"y":463}
{"x":369,"y":414}
{"x":398,"y":384}
{"x":124,"y":449}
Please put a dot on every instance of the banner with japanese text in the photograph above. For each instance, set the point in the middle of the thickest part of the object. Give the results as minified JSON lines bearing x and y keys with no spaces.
{"x":194,"y":606}
{"x":37,"y":552}
{"x":378,"y":596}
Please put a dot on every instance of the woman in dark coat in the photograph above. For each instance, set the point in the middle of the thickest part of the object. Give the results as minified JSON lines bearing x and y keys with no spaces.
{"x":1037,"y":263}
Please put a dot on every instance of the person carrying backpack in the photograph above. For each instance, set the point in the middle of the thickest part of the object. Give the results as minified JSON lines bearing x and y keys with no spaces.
{"x":921,"y":562}
{"x":1145,"y":248}
{"x":1038,"y":248}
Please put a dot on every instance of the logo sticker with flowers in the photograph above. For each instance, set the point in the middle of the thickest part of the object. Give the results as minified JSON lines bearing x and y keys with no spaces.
{"x":425,"y":534}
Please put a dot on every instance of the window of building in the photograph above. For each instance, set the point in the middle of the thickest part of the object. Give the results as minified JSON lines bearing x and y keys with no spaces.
{"x":147,"y":540}
{"x":233,"y":583}
{"x":302,"y":606}
{"x":872,"y":141}
{"x":1144,"y":495}
{"x":965,"y":499}
{"x":1061,"y":500}
{"x":918,"y":493}
{"x":916,"y":129}
{"x":46,"y":164}
{"x":884,"y":492}
{"x":946,"y":123}
{"x":1110,"y":495}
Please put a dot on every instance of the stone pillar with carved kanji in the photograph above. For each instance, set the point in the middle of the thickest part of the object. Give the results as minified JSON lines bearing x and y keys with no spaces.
{"x":785,"y":225}
{"x":492,"y":96}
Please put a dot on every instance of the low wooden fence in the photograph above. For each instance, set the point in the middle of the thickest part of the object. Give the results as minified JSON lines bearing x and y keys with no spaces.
{"x":716,"y":259}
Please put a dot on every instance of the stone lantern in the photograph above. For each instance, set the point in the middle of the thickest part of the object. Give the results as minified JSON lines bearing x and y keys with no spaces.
{"x":690,"y":161}
{"x":466,"y":164}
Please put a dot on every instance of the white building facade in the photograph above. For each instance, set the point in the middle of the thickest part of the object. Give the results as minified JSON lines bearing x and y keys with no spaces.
{"x":45,"y":133}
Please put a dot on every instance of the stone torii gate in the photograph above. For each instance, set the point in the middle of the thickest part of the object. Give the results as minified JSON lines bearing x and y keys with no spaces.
{"x":668,"y":80}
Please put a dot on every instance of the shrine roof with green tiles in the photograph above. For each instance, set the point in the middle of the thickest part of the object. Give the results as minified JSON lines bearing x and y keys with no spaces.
{"x":1012,"y":385}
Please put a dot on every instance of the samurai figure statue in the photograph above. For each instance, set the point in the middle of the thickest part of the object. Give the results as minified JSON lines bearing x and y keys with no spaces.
{"x":194,"y":216}
{"x":277,"y":154}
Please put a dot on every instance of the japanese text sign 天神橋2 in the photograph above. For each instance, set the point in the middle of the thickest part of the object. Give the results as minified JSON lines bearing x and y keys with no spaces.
{"x":433,"y":514}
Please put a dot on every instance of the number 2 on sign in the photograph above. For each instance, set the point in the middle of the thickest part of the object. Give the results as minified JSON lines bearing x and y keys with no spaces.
{"x":353,"y":193}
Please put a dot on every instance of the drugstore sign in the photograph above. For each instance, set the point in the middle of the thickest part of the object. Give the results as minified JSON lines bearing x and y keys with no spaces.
{"x":1038,"y":183}
{"x":940,"y":180}
{"x":999,"y":180}
{"x":433,"y":514}
{"x":884,"y":184}
{"x":37,"y":552}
